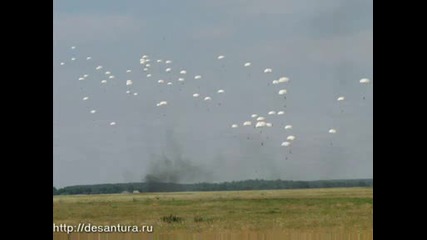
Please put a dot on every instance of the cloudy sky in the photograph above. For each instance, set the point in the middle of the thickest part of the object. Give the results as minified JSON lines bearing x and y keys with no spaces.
{"x":323,"y":47}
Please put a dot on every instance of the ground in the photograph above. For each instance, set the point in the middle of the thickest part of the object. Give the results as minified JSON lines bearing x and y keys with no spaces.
{"x":308,"y":210}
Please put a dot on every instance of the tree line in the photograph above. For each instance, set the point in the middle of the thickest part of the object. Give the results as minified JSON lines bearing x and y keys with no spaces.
{"x":256,"y":184}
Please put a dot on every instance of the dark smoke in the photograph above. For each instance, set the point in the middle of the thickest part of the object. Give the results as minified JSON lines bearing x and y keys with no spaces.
{"x":173,"y":167}
{"x":175,"y":170}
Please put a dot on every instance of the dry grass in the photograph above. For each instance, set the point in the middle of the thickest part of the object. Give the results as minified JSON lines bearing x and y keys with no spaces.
{"x":309,"y":210}
{"x":241,"y":235}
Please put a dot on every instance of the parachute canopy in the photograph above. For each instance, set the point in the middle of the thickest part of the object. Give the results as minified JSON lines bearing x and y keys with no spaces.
{"x":364,"y":80}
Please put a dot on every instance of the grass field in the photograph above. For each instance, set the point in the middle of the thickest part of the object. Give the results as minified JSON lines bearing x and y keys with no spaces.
{"x":344,"y":210}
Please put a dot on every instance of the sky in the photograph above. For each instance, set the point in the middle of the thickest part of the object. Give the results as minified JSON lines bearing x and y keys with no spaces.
{"x":323,"y":47}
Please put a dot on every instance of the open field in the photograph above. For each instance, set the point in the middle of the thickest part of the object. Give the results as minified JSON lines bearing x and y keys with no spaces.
{"x":335,"y":210}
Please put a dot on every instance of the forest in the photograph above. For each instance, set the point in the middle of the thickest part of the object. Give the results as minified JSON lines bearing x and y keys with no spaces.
{"x":253,"y":184}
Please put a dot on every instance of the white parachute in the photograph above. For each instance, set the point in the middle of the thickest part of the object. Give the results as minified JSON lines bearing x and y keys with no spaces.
{"x":282,"y":92}
{"x":364,"y":80}
{"x":260,"y":124}
{"x":283,"y":80}
{"x":162,"y":103}
{"x":290,"y":138}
